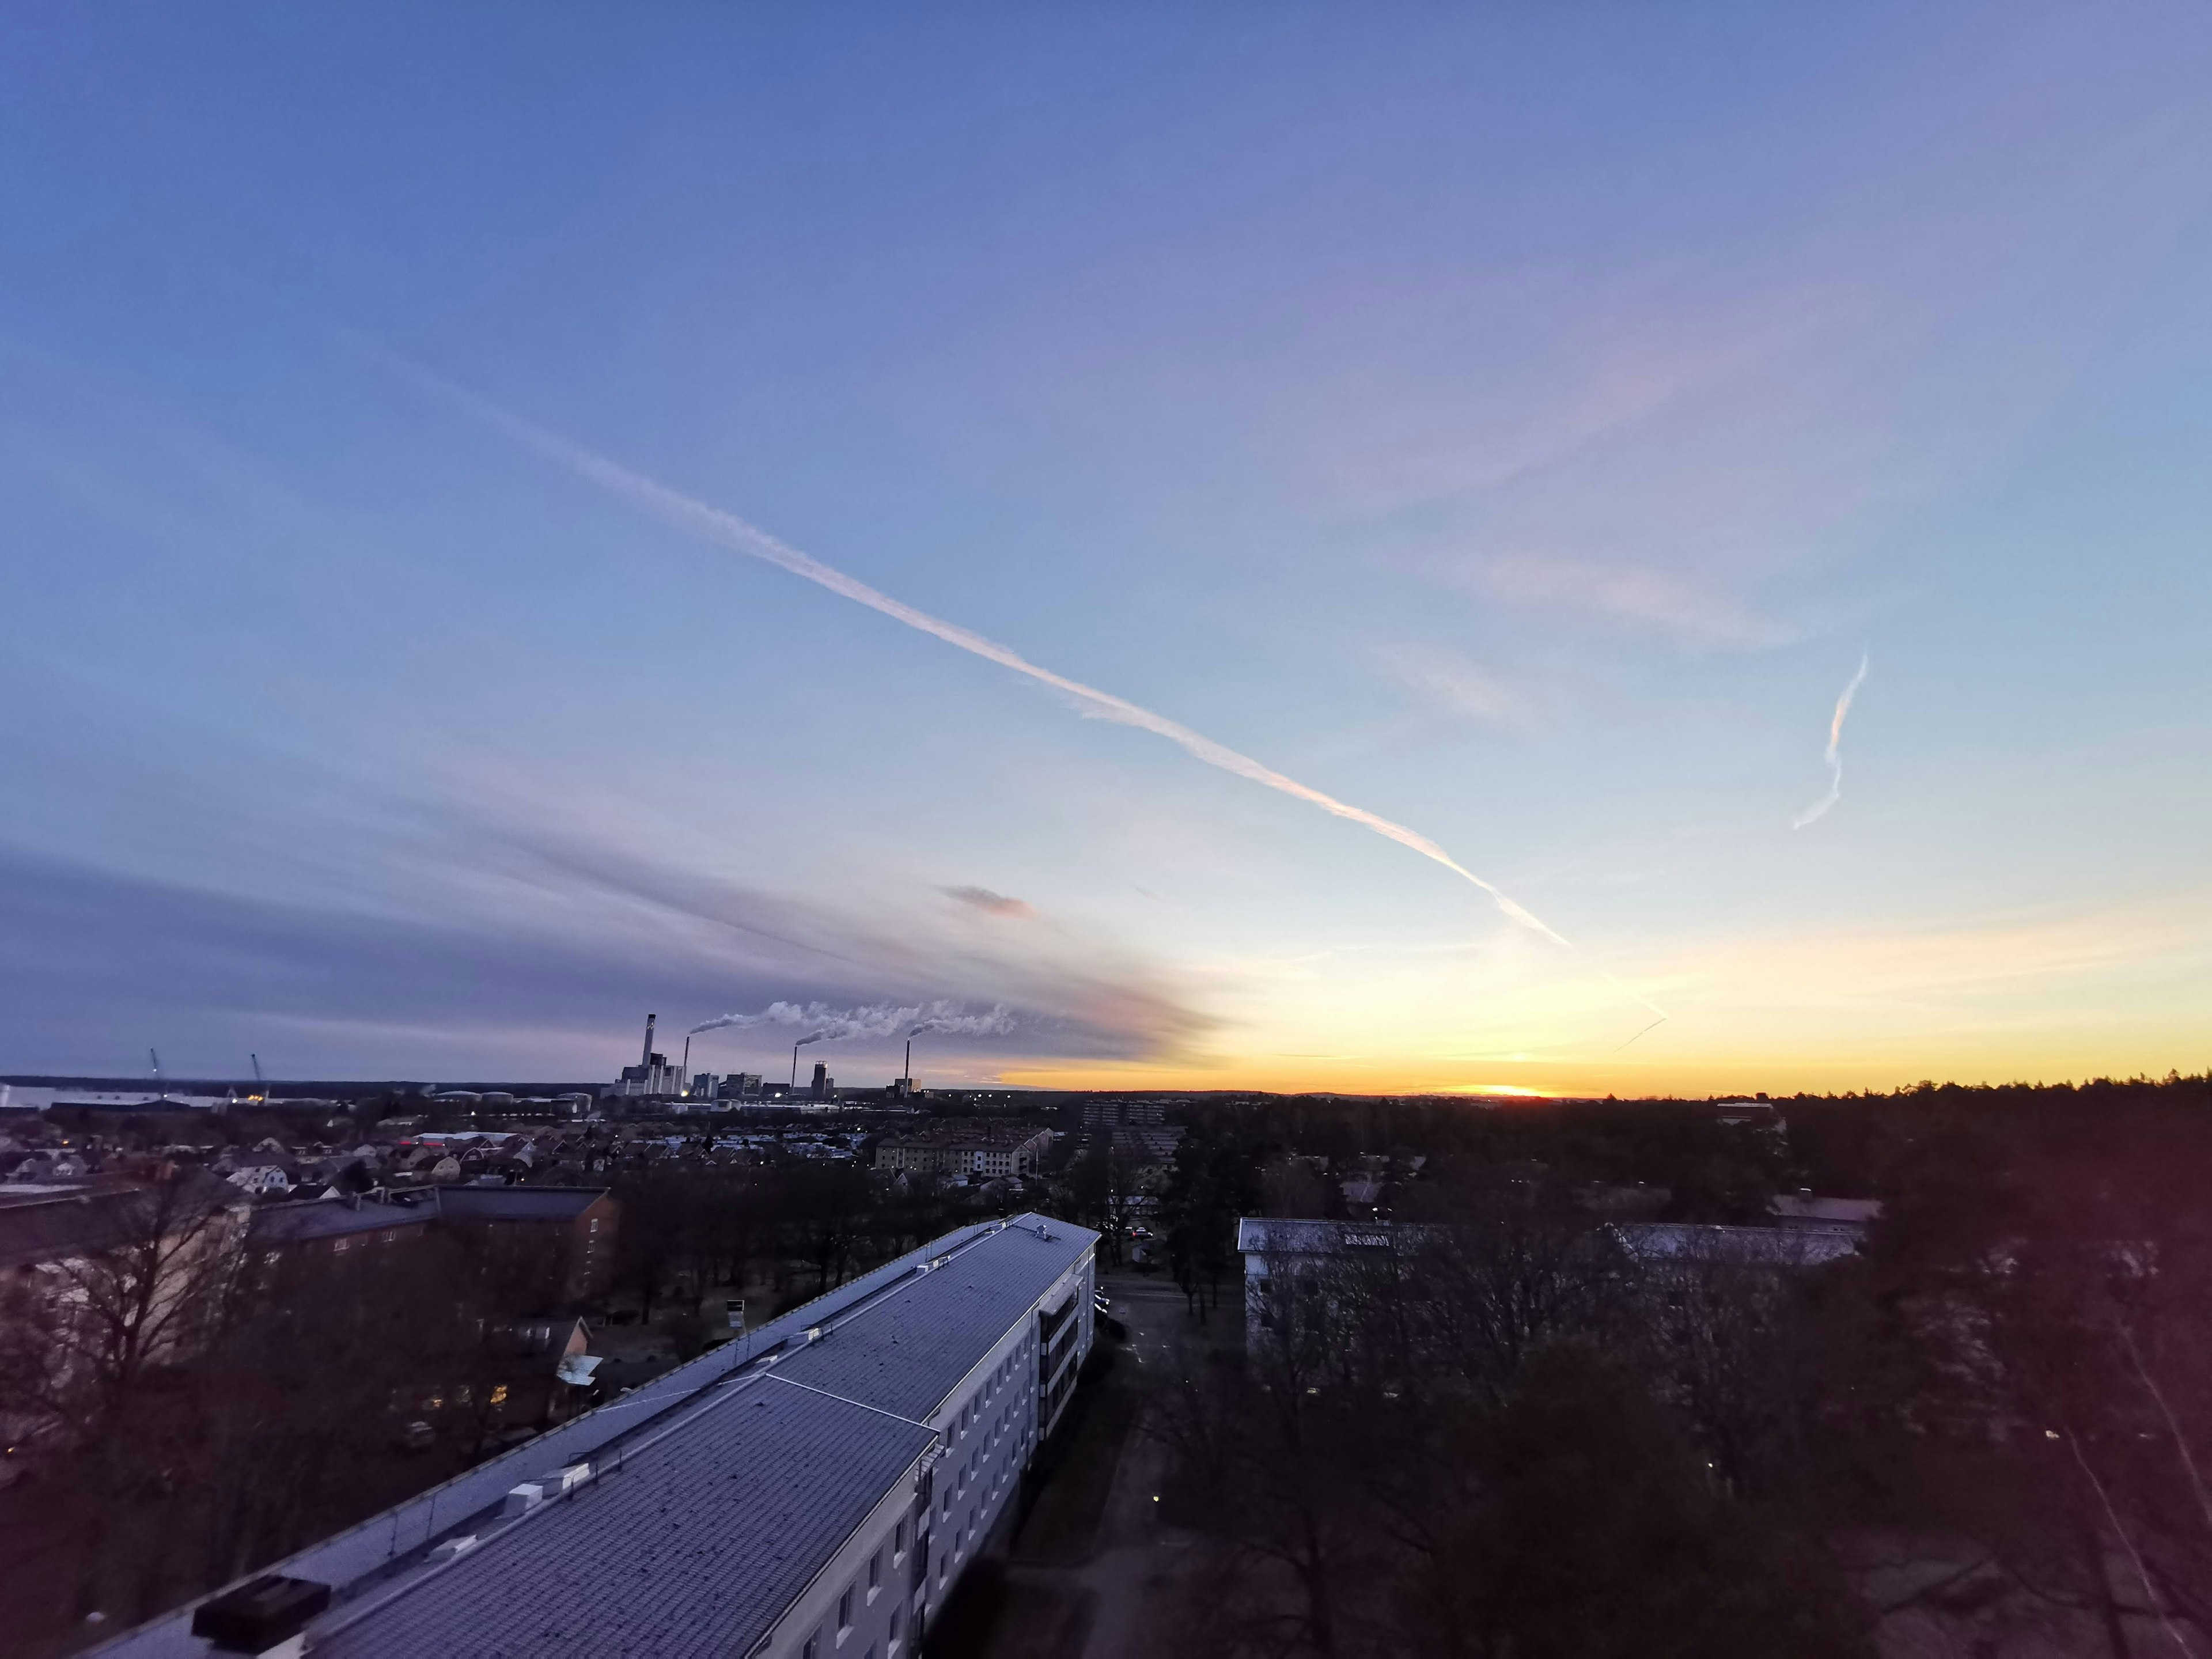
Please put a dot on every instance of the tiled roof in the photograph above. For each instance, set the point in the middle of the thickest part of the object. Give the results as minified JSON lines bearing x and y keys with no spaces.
{"x":691,"y":1548}
{"x":907,"y":1352}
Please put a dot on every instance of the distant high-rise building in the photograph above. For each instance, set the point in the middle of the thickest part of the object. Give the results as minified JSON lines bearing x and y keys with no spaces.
{"x":823,"y":1083}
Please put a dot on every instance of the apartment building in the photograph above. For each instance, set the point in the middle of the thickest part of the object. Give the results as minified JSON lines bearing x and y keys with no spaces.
{"x":967,"y":1147}
{"x":815,"y":1490}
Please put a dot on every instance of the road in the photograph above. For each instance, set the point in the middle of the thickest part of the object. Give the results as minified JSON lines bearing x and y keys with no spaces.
{"x":1121,"y":1595}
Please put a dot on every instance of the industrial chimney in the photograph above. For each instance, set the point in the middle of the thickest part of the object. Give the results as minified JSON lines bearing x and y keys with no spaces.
{"x":645,"y":1059}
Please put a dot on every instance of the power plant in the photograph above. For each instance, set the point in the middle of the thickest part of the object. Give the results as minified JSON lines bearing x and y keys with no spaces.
{"x":655,"y":1077}
{"x":652,"y":1075}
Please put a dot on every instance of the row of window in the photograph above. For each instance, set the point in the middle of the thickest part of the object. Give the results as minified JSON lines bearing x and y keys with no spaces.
{"x":863,"y":1592}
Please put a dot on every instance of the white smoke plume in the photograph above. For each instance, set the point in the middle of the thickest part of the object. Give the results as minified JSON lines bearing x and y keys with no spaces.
{"x":1819,"y":808}
{"x":723,"y":529}
{"x":997,"y":1023}
{"x":875,"y":1019}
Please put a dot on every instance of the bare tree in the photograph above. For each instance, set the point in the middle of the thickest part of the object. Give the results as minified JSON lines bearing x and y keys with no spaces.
{"x":91,"y":1344}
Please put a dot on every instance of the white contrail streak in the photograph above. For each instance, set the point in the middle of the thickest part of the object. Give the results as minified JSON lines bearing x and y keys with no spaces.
{"x":712,"y":524}
{"x":1820,"y":807}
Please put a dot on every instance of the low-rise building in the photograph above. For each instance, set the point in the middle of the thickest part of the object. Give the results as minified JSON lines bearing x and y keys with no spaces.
{"x":966,"y":1146}
{"x":579,"y":1221}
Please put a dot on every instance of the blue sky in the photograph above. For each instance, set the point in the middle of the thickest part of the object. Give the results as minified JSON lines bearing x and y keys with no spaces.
{"x":1517,"y":423}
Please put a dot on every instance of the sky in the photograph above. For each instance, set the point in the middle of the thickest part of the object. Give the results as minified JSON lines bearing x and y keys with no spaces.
{"x":1554,"y":549}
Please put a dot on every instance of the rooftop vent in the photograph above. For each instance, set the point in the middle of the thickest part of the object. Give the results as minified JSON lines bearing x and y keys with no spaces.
{"x":262,"y":1616}
{"x":567,"y":1479}
{"x":520,"y":1500}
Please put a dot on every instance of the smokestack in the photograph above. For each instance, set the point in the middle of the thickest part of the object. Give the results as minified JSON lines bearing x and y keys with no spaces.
{"x":683,"y":1071}
{"x":645,"y":1059}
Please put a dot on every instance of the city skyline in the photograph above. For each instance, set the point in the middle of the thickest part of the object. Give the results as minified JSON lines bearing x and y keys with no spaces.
{"x":1062,"y":523}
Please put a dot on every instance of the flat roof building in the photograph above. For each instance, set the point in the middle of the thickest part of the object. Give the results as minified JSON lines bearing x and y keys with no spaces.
{"x":816,"y":1488}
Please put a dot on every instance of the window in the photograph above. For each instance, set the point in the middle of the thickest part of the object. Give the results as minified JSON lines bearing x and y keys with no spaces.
{"x":812,"y":1649}
{"x":875,"y":1573}
{"x":845,"y":1611}
{"x":898,"y":1623}
{"x":899,"y":1539}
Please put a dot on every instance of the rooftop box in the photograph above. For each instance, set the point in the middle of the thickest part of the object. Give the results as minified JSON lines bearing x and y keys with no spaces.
{"x":261,"y":1613}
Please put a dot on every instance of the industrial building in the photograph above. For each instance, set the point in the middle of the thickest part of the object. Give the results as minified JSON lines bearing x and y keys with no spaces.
{"x":966,"y":1147}
{"x":652,"y":1075}
{"x":815,"y":1489}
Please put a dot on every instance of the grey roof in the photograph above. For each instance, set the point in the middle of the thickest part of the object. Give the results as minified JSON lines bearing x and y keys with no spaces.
{"x":54,"y":1226}
{"x":694,"y":1547}
{"x":1807,"y":1246}
{"x":1792,"y":1206}
{"x":1277,"y":1235}
{"x":518,"y":1203}
{"x":696,"y":1445}
{"x":907,"y":1352}
{"x":330,"y":1217}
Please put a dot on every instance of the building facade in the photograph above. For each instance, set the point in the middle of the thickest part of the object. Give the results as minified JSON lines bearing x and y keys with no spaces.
{"x":966,"y":1148}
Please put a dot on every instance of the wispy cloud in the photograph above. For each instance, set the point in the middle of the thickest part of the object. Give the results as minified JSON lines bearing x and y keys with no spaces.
{"x":460,"y":944}
{"x":1639,"y":597}
{"x":1834,"y":756}
{"x":991,"y":904}
{"x":1447,"y":681}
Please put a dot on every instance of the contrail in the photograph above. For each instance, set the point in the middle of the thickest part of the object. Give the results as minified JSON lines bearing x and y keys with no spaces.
{"x":1819,"y":808}
{"x":712,"y":524}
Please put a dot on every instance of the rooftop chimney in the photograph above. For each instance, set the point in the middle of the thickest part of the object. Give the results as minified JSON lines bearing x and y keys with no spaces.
{"x":645,"y":1059}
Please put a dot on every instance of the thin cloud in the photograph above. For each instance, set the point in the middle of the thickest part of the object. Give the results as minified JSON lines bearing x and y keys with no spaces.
{"x":991,"y":904}
{"x":1819,"y":809}
{"x":1635,"y":596}
{"x":1449,"y":681}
